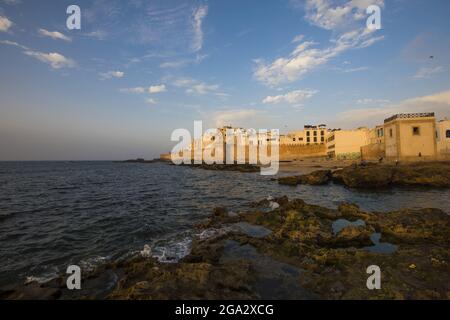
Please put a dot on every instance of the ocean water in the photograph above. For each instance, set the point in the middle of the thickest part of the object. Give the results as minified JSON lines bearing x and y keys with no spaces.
{"x":53,"y":214}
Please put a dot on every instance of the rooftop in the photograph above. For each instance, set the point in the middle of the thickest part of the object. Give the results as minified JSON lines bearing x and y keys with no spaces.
{"x":409,"y":116}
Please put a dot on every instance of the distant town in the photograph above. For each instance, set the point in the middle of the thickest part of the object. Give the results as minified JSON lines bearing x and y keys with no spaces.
{"x":402,"y":137}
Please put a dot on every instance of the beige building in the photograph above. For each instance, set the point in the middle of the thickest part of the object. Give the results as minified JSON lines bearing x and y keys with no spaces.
{"x":346,"y":144}
{"x":375,"y":150}
{"x":310,"y":135}
{"x":410,"y":137}
{"x":443,"y":138}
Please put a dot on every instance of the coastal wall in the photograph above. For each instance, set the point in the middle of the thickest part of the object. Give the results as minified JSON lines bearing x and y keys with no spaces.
{"x":295,"y":151}
{"x":373,"y":151}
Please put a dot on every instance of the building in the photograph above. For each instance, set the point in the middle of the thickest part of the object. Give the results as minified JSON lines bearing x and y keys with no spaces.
{"x":376,"y":149}
{"x":410,"y":137}
{"x":346,"y":144}
{"x":443,"y":138}
{"x":310,"y":135}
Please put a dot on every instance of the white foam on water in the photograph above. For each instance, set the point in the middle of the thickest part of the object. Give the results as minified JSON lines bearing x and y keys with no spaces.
{"x":173,"y":251}
{"x":213,"y":233}
{"x":44,"y":277}
{"x":91,"y":264}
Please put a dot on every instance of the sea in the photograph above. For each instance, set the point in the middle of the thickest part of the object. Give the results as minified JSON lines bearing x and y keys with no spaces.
{"x":56,"y":214}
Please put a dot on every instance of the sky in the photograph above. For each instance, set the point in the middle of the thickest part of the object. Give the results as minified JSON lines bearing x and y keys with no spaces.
{"x":137,"y":70}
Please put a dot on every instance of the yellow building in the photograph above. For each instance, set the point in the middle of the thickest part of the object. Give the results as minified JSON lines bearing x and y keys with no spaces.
{"x":310,"y":135}
{"x":346,"y":144}
{"x":375,"y":150}
{"x":410,"y":137}
{"x":443,"y":138}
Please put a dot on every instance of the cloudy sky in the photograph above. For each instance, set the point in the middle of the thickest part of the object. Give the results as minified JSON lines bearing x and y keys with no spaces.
{"x":139,"y":69}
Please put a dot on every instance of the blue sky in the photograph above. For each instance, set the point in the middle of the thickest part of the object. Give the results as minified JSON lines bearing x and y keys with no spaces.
{"x":139,"y":69}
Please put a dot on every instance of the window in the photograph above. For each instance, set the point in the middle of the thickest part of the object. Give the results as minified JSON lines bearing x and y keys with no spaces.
{"x":380,"y":133}
{"x":308,"y":140}
{"x":322,"y":133}
{"x":416,"y":131}
{"x":307,"y":133}
{"x":315,"y":133}
{"x":322,"y":139}
{"x":293,"y":139}
{"x":447,"y":134}
{"x":390,"y":133}
{"x":315,"y":139}
{"x":300,"y":139}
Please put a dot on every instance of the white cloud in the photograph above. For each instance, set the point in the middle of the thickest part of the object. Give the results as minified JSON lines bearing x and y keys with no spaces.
{"x":198,"y":16}
{"x":12,"y":2}
{"x":173,"y":64}
{"x":438,"y":103}
{"x":357,"y":69}
{"x":293,"y":97}
{"x":151,"y":101}
{"x":5,"y":24}
{"x":15,"y":44}
{"x":329,"y":15}
{"x":141,"y":90}
{"x":99,"y":35}
{"x":373,"y":101}
{"x":305,"y":57}
{"x":157,"y":89}
{"x":133,"y":90}
{"x":112,"y":74}
{"x":233,"y":117}
{"x":54,"y":35}
{"x":54,"y":59}
{"x":297,"y":38}
{"x":198,"y":88}
{"x":428,"y":72}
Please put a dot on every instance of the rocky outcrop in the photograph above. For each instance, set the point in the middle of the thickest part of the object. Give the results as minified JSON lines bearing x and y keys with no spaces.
{"x":231,"y":264}
{"x":427,"y":174}
{"x":319,"y":177}
{"x":246,"y":168}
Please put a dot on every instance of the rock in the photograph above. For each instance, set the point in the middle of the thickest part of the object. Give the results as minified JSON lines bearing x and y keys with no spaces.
{"x":431,"y":174}
{"x":352,"y":211}
{"x":423,"y":174}
{"x":316,"y":178}
{"x":336,"y":176}
{"x":333,"y":267}
{"x":357,"y":236}
{"x":319,"y":177}
{"x":289,"y":181}
{"x":147,"y":252}
{"x":273,"y":205}
{"x":367,"y":177}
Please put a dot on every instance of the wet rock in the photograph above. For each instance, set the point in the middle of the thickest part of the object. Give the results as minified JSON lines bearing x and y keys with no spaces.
{"x":352,"y":211}
{"x":430,"y":174}
{"x":415,"y":226}
{"x":357,"y":236}
{"x":246,"y":168}
{"x":329,"y":266}
{"x":289,"y":181}
{"x":336,"y":176}
{"x":319,"y":177}
{"x":367,"y":177}
{"x":32,"y":291}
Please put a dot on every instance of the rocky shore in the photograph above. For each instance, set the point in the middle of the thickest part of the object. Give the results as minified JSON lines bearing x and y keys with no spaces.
{"x":226,"y":167}
{"x":424,"y":174}
{"x":283,"y":249}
